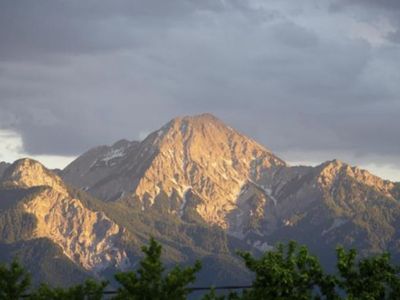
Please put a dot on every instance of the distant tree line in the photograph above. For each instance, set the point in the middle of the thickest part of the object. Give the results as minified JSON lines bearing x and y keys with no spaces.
{"x":287,"y":272}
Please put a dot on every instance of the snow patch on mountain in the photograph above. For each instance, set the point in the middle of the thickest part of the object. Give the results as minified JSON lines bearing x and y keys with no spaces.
{"x":184,"y":201}
{"x":114,"y":153}
{"x":266,"y":190}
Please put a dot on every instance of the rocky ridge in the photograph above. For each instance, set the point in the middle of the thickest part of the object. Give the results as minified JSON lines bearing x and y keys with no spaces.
{"x":203,"y":190}
{"x":199,"y":154}
{"x":231,"y":181}
{"x":87,"y":237}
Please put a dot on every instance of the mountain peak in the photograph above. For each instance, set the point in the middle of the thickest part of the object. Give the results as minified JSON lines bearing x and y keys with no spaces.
{"x":204,"y":155}
{"x":28,"y":173}
{"x":186,"y":123}
{"x":204,"y":117}
{"x":197,"y":153}
{"x":333,"y":164}
{"x":201,"y":128}
{"x":205,"y":133}
{"x":333,"y":170}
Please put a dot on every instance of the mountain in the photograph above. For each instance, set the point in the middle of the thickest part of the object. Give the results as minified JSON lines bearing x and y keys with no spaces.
{"x":200,"y":188}
{"x":199,"y":166}
{"x":99,"y":164}
{"x":335,"y":203}
{"x":54,"y":227}
{"x":197,"y":156}
{"x":36,"y":208}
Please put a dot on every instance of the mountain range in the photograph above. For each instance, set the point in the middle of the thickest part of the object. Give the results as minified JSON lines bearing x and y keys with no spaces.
{"x":203,"y":190}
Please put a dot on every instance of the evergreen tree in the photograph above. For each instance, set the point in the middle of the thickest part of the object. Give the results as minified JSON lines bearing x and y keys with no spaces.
{"x":14,"y":281}
{"x":287,"y":272}
{"x":150,"y":282}
{"x":89,"y":290}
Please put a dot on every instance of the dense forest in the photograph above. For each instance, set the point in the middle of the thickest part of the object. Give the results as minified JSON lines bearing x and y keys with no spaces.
{"x":287,"y":272}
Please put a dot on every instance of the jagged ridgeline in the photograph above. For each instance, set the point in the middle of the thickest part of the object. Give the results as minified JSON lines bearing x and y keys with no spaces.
{"x":200,"y":188}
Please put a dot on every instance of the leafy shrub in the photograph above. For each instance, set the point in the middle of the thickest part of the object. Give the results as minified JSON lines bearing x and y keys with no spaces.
{"x":370,"y":278}
{"x":288,"y":273}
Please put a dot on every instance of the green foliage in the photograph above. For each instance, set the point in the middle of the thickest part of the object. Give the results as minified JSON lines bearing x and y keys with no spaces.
{"x":150,"y":283}
{"x":288,"y":273}
{"x":90,"y":290}
{"x":14,"y":281}
{"x":212,"y":295}
{"x":369,"y":278}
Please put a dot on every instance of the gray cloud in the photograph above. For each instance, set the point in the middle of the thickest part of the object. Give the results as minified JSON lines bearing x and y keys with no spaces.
{"x":29,"y":29}
{"x":77,"y":74}
{"x":384,"y":4}
{"x":395,"y":36}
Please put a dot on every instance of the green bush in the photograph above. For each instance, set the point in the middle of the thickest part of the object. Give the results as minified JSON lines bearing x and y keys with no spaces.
{"x":369,"y":278}
{"x":288,"y":273}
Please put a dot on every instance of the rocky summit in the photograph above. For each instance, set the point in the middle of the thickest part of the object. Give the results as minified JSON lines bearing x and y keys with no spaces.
{"x":197,"y":154}
{"x":203,"y":190}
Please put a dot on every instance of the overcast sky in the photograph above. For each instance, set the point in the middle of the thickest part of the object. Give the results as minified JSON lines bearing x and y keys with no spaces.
{"x":311,"y":80}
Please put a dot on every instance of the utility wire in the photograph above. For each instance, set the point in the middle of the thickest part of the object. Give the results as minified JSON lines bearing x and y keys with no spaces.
{"x":191,"y":289}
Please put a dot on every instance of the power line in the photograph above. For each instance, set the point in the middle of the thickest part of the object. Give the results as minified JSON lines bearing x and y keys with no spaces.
{"x":228,"y":287}
{"x":191,"y":289}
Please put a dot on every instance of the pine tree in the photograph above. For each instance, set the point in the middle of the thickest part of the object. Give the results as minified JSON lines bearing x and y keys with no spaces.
{"x":89,"y":290}
{"x":151,"y":282}
{"x":14,"y":281}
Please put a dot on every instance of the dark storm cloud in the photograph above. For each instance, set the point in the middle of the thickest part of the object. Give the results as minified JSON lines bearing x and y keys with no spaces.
{"x":385,"y":4}
{"x":36,"y":28}
{"x":75,"y":74}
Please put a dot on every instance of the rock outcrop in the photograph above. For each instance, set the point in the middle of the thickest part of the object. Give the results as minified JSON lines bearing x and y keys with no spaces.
{"x":87,"y":237}
{"x":231,"y":181}
{"x":199,"y":153}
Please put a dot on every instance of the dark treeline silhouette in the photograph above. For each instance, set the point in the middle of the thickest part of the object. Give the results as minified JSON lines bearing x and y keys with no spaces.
{"x":287,"y":272}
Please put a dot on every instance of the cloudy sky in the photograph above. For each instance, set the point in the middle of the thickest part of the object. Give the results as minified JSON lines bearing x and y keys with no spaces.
{"x":312,"y":80}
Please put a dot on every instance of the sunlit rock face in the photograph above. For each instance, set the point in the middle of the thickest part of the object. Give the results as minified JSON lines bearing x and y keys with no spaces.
{"x":199,"y":153}
{"x":213,"y":160}
{"x":201,"y":188}
{"x":88,"y":238}
{"x":333,"y":171}
{"x":30,"y":173}
{"x":198,"y":164}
